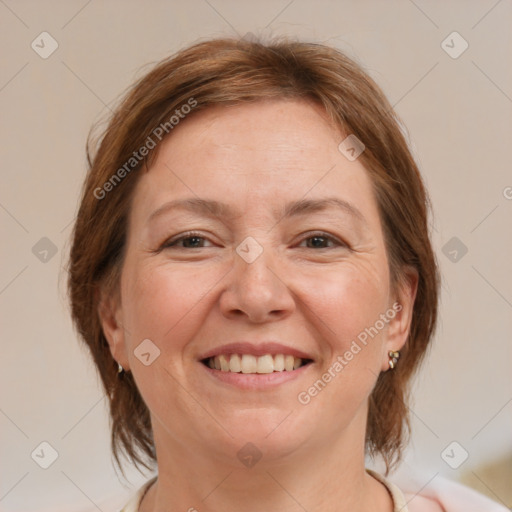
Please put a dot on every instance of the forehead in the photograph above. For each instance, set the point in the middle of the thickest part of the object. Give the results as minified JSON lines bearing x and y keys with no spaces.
{"x":266,"y":130}
{"x":253,"y":156}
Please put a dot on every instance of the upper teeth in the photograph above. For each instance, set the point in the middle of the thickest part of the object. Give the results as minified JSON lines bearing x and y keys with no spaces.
{"x":248,"y":363}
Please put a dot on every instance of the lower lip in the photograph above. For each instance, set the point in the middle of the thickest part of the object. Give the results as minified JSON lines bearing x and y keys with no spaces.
{"x":256,"y":381}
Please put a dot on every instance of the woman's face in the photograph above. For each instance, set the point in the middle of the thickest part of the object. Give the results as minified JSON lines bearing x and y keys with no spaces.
{"x":252,"y":238}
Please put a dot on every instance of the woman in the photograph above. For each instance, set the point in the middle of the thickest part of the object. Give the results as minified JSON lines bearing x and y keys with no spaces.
{"x":252,"y":271}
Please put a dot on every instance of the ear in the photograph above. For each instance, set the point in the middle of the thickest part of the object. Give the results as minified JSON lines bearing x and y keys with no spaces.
{"x":402,"y":302}
{"x":111,"y":319}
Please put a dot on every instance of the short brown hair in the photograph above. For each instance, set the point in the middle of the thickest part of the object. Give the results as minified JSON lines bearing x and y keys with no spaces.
{"x":230,"y":72}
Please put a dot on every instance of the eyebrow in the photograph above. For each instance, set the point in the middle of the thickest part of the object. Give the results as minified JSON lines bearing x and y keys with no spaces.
{"x":211,"y":208}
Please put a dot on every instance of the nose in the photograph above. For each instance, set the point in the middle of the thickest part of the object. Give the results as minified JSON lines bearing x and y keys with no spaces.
{"x":257,"y":291}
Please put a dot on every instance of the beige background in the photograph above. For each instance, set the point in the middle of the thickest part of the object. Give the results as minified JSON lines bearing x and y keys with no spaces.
{"x":458,"y":112}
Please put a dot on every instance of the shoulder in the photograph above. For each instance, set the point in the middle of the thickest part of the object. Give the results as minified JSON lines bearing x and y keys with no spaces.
{"x":417,"y":503}
{"x":442,"y":494}
{"x":134,"y":503}
{"x":409,"y":501}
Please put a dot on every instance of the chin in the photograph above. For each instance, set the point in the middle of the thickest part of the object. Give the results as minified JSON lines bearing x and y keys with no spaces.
{"x":270,"y":433}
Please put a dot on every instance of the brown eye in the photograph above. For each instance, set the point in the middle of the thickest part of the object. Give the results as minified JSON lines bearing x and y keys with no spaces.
{"x":187,"y":241}
{"x":317,"y":242}
{"x":192,"y":241}
{"x":322,"y":241}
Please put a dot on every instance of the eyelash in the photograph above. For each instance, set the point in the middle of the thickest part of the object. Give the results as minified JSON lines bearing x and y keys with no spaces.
{"x":171,"y":243}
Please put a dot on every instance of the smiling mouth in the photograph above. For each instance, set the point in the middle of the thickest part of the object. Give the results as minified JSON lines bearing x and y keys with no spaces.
{"x":247,"y":363}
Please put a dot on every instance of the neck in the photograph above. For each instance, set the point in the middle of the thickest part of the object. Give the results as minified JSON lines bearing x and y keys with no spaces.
{"x":329,"y":476}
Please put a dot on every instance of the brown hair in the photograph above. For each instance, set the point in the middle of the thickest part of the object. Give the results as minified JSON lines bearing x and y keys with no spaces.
{"x":230,"y":72}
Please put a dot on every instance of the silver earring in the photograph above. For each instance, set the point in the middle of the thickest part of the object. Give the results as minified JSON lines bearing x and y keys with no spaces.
{"x":120,"y":369}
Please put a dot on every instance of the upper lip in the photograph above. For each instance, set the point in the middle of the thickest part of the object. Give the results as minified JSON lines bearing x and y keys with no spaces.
{"x":255,"y":349}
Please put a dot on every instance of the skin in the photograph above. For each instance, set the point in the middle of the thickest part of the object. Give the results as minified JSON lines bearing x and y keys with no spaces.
{"x":187,"y":300}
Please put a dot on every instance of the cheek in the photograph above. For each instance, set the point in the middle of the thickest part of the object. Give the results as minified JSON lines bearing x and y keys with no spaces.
{"x":346,"y":303}
{"x":349,"y":306}
{"x":348,"y":299}
{"x":164,"y":303}
{"x":349,"y":303}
